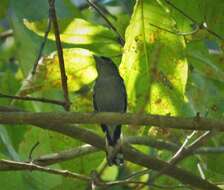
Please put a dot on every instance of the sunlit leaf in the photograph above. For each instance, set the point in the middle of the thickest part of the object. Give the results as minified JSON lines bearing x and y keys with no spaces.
{"x":153,"y":65}
{"x":80,"y":33}
{"x":6,"y":145}
{"x":80,"y":70}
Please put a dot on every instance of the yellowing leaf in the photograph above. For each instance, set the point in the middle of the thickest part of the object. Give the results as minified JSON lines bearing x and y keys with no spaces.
{"x":80,"y":70}
{"x":153,"y":65}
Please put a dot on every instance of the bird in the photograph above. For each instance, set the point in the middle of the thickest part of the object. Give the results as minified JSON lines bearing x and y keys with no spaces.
{"x":109,"y":95}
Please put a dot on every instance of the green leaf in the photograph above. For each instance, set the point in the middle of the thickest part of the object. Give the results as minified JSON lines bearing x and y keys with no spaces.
{"x":209,"y":12}
{"x":80,"y":70}
{"x":205,"y":95}
{"x":28,"y":44}
{"x":13,"y":180}
{"x":153,"y":65}
{"x":203,"y":62}
{"x":7,"y":148}
{"x":3,"y":8}
{"x":38,"y":180}
{"x":82,"y":34}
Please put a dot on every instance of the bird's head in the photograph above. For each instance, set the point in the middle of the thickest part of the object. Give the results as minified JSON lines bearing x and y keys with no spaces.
{"x":105,"y":66}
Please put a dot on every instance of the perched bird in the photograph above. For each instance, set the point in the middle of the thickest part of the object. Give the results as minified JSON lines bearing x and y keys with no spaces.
{"x":110,"y":96}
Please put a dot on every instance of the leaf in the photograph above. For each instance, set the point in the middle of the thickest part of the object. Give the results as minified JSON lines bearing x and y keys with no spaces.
{"x":3,"y":8}
{"x":9,"y":150}
{"x":80,"y":70}
{"x":205,"y":63}
{"x":28,"y":44}
{"x":205,"y":95}
{"x":153,"y":65}
{"x":38,"y":180}
{"x":82,"y":34}
{"x":13,"y":180}
{"x":209,"y":12}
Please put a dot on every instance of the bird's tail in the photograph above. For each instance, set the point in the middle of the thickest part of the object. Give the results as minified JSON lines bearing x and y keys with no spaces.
{"x":113,"y":145}
{"x":114,"y":154}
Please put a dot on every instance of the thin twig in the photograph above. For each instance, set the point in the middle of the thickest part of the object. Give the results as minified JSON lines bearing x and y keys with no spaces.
{"x":9,"y":165}
{"x":176,"y":32}
{"x":98,"y":10}
{"x":65,"y":155}
{"x":184,"y":151}
{"x":182,"y":12}
{"x":169,"y":146}
{"x":200,"y":170}
{"x":85,"y":5}
{"x":204,"y":26}
{"x":42,"y":47}
{"x":102,"y":8}
{"x":53,"y":18}
{"x":32,"y":149}
{"x":124,"y":182}
{"x":198,"y":142}
{"x":97,"y":181}
{"x":28,"y":98}
{"x":182,"y":148}
{"x":210,"y":150}
{"x":138,"y":173}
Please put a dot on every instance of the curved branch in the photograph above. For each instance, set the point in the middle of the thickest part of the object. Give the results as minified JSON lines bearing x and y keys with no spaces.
{"x":143,"y":140}
{"x":132,"y":155}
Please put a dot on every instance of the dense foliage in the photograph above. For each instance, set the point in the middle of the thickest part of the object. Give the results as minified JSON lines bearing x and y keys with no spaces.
{"x":171,"y":65}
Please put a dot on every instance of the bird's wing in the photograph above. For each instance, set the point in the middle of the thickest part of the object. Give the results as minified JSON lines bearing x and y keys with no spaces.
{"x":94,"y":99}
{"x":125,"y":95}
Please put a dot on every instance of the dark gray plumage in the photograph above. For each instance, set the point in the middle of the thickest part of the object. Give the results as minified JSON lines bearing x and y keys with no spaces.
{"x":110,"y":96}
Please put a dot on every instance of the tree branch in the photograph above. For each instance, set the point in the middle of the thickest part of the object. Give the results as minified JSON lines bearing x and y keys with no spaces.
{"x":53,"y":18}
{"x":130,"y":154}
{"x":150,"y":141}
{"x":98,"y":10}
{"x":143,"y":140}
{"x":28,"y":98}
{"x":187,"y":123}
{"x":65,"y":155}
{"x":9,"y":165}
{"x":42,"y":46}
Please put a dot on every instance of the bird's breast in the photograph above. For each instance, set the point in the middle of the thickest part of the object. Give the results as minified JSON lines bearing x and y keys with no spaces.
{"x":109,"y":94}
